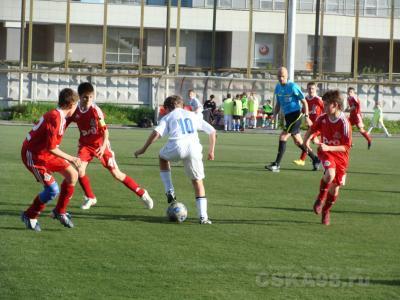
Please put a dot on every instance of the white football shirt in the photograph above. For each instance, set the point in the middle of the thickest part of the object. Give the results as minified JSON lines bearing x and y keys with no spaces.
{"x":182,"y":125}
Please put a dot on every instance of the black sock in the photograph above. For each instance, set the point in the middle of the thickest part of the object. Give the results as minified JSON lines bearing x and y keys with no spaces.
{"x":281,"y":151}
{"x":309,"y":153}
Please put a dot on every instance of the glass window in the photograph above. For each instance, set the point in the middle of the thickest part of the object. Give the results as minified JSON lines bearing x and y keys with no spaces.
{"x":370,"y":7}
{"x":122,"y":45}
{"x":266,"y":4}
{"x":225,"y":3}
{"x":384,"y":8}
{"x":279,"y":4}
{"x":332,"y":6}
{"x":350,"y":7}
{"x":306,"y":5}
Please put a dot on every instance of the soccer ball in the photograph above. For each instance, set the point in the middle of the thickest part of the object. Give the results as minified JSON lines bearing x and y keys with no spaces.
{"x":177,"y":212}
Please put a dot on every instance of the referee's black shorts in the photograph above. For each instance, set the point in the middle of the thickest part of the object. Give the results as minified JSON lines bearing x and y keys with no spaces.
{"x":293,"y":122}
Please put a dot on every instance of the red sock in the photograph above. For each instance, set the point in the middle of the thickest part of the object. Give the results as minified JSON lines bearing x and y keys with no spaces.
{"x":331,"y":199}
{"x":323,"y":190}
{"x":132,"y":185}
{"x":35,"y":209}
{"x":366,"y":135}
{"x":66,"y":193}
{"x":85,"y":184}
{"x":303,"y":155}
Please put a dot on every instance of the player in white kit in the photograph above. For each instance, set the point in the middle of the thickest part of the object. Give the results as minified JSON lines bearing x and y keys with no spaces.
{"x":183,"y":144}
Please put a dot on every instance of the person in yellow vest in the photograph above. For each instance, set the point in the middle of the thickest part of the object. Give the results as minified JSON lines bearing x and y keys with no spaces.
{"x":377,"y":119}
{"x":227,"y":107}
{"x":237,"y":113}
{"x":253,"y":110}
{"x":245,"y":109}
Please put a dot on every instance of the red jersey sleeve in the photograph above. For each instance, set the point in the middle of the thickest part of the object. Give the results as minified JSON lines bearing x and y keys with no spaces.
{"x":101,"y":123}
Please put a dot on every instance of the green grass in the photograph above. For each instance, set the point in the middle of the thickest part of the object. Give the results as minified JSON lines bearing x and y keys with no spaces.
{"x":265,"y":242}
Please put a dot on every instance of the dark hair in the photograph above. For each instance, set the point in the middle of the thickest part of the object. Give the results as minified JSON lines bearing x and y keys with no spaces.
{"x":228,"y":95}
{"x":85,"y":87}
{"x":333,"y":96}
{"x":212,"y":96}
{"x":311,"y":83}
{"x":172,"y":102}
{"x":350,"y":88}
{"x":67,"y":98}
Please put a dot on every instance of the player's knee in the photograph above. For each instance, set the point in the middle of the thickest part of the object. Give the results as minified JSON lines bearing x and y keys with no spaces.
{"x":49,"y":193}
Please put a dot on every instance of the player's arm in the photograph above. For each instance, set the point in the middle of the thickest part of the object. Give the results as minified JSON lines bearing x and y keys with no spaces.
{"x":102,"y":148}
{"x":155,"y":135}
{"x":74,"y":160}
{"x":212,"y":137}
{"x":306,"y":111}
{"x":341,"y":148}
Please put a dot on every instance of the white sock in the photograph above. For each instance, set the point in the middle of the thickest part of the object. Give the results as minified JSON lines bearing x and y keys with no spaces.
{"x":167,"y":181}
{"x":201,"y":204}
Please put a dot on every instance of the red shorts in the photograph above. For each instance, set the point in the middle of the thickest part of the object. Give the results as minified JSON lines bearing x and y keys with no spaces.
{"x":356,"y":120}
{"x":86,"y":153}
{"x":329,"y":162}
{"x":42,"y":167}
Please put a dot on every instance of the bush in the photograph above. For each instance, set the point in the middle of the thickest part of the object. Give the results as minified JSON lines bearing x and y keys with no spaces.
{"x":31,"y":112}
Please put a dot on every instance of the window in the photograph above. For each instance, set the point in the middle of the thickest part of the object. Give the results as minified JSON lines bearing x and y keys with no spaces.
{"x":279,"y":4}
{"x":122,"y":46}
{"x":266,"y":4}
{"x":306,"y":5}
{"x":370,"y":7}
{"x":332,"y":6}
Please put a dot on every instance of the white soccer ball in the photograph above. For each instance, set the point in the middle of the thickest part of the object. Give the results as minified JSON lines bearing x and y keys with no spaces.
{"x":177,"y":212}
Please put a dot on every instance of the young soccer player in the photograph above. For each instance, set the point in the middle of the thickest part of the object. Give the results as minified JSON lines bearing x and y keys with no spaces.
{"x":253,"y":110}
{"x":315,"y":108}
{"x":42,"y":156}
{"x":183,"y":144}
{"x":354,"y":107}
{"x":333,"y":151}
{"x":228,"y":111}
{"x":267,"y":113}
{"x":194,"y":103}
{"x":237,"y":113}
{"x":377,"y":119}
{"x":94,"y":142}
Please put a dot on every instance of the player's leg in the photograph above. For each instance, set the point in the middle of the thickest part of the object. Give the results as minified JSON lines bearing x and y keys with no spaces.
{"x":67,"y":190}
{"x":360,"y":126}
{"x":324,"y":185}
{"x":86,"y":155}
{"x":109,"y":162}
{"x":166,"y":178}
{"x":298,"y":140}
{"x":194,"y":169}
{"x":330,"y":200}
{"x":384,"y":129}
{"x":275,"y":166}
{"x":84,"y":181}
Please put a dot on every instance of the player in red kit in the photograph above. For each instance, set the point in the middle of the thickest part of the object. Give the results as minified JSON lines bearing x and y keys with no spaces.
{"x":315,"y":108}
{"x":335,"y":134}
{"x":42,"y":156}
{"x":355,"y":118}
{"x":94,"y":142}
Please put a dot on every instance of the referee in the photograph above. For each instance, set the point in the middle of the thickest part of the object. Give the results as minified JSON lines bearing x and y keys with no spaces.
{"x":288,"y":97}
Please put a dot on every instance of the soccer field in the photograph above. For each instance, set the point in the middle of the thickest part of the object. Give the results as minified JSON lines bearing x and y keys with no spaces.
{"x":265,"y":242}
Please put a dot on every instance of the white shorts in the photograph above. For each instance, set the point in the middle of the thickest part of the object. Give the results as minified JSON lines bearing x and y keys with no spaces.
{"x":251,"y":114}
{"x":190,"y":153}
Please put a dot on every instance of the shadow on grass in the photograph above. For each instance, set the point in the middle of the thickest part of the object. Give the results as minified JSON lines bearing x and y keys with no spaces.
{"x":366,"y":190}
{"x":360,"y":281}
{"x":293,"y":209}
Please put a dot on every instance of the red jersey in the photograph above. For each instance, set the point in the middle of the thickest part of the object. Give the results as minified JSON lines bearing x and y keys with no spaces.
{"x":334,"y":133}
{"x":46,"y":134}
{"x":354,"y":101}
{"x":315,"y":107}
{"x":91,"y":125}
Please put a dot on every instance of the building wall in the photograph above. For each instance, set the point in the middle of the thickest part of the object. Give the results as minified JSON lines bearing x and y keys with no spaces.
{"x":344,"y":50}
{"x":85,"y":43}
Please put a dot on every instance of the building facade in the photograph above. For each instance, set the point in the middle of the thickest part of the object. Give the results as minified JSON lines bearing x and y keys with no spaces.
{"x":232,"y":27}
